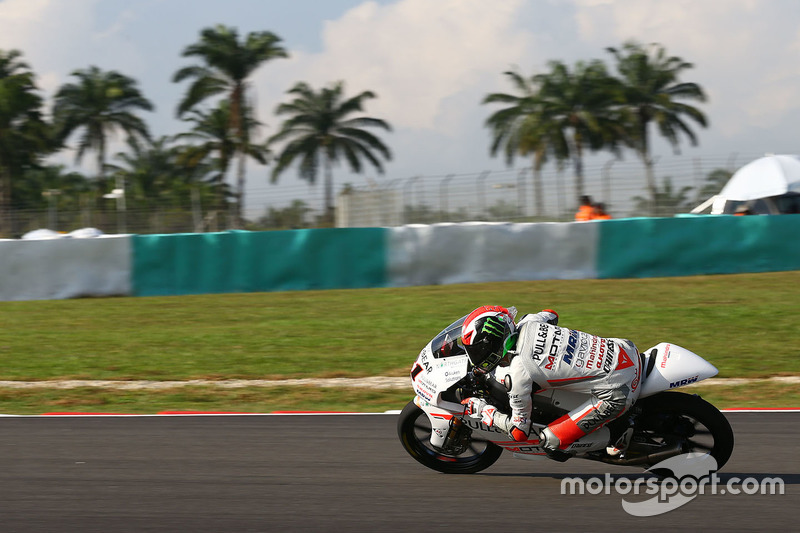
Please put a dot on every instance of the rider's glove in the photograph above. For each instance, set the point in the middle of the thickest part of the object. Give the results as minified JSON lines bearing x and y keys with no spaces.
{"x":473,"y":407}
{"x":478,"y":408}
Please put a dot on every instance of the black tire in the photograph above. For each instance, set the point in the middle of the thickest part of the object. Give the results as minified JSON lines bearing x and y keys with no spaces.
{"x":414,"y":430}
{"x":697,"y":424}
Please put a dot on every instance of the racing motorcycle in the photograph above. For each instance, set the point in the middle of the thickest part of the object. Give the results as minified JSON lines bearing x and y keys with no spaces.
{"x":661,"y":424}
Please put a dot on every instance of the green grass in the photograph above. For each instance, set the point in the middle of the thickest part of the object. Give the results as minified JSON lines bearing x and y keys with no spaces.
{"x":746,"y":325}
{"x":761,"y":394}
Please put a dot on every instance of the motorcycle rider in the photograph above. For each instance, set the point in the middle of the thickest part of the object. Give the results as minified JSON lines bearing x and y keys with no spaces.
{"x":540,"y":355}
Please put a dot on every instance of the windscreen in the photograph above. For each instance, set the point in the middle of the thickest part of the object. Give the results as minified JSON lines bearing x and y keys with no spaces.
{"x":448,"y":342}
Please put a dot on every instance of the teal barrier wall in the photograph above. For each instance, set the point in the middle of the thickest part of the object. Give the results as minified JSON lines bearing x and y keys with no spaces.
{"x":151,"y":265}
{"x":243,"y":261}
{"x":685,"y":246}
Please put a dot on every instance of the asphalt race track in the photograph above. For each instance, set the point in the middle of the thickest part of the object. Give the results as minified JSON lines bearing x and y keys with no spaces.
{"x":338,"y":473}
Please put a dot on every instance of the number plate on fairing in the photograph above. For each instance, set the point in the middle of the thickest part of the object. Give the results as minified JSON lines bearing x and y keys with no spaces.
{"x":432,"y":376}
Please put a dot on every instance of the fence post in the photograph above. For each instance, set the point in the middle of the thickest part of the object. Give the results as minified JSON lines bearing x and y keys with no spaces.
{"x":481,"y":182}
{"x":407,"y":197}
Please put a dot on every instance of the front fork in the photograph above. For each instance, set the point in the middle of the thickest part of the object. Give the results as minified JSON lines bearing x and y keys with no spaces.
{"x":448,"y":432}
{"x":457,"y":439}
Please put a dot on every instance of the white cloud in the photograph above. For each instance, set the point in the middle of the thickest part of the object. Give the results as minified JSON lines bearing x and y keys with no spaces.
{"x":48,"y":32}
{"x":22,"y":11}
{"x":745,"y":52}
{"x":57,"y":38}
{"x":415,"y":54}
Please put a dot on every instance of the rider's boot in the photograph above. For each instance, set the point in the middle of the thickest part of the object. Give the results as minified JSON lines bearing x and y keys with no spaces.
{"x":557,"y":455}
{"x":621,"y":445}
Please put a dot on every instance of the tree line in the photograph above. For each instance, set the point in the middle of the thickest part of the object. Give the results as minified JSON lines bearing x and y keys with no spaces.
{"x":557,"y":115}
{"x":565,"y":112}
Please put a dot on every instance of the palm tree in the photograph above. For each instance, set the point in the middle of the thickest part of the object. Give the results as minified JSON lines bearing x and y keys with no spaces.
{"x":63,"y":194}
{"x":651,"y":92}
{"x":69,"y":187}
{"x":523,"y":128}
{"x":666,"y":202}
{"x":161,"y":180}
{"x":213,"y":132}
{"x":227,"y":63}
{"x":321,"y":131}
{"x":715,"y":181}
{"x":24,"y":135}
{"x":217,"y":138}
{"x":581,"y":105}
{"x":100,"y":103}
{"x":149,"y":172}
{"x":290,"y":217}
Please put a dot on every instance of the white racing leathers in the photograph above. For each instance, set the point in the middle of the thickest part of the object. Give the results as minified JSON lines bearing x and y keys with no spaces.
{"x":608,"y":370}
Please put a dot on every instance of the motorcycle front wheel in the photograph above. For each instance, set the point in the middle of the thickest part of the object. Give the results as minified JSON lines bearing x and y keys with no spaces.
{"x":414,"y":430}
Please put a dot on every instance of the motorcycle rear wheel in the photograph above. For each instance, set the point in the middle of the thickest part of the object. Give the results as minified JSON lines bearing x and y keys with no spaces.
{"x":689,"y":420}
{"x":414,"y":430}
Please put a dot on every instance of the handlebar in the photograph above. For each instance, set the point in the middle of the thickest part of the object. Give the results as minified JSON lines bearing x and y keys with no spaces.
{"x":496,"y":391}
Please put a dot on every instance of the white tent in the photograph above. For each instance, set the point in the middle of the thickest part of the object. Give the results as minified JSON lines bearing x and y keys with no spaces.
{"x":772,"y":175}
{"x":768,"y":176}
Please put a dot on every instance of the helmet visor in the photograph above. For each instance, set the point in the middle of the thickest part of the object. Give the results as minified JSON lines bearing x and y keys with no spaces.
{"x":483,"y":357}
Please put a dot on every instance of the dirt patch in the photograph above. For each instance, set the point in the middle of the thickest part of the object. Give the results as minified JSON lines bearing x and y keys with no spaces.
{"x":356,"y":383}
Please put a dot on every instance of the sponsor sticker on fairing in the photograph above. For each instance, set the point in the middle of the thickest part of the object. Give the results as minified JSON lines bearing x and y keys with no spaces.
{"x":425,"y":388}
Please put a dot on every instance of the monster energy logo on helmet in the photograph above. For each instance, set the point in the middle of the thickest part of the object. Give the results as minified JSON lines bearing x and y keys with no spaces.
{"x":489,"y":346}
{"x":493,"y":327}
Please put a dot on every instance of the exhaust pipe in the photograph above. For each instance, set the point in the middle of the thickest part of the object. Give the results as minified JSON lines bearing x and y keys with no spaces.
{"x":653,"y":458}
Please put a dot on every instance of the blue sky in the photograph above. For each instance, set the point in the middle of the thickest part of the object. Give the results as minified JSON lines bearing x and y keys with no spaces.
{"x":431,"y":62}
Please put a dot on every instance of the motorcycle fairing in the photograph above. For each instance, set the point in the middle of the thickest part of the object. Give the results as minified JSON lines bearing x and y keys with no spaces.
{"x":668,"y":366}
{"x":442,"y":363}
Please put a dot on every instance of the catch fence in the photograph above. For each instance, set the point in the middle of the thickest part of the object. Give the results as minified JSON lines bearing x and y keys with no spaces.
{"x":507,"y":195}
